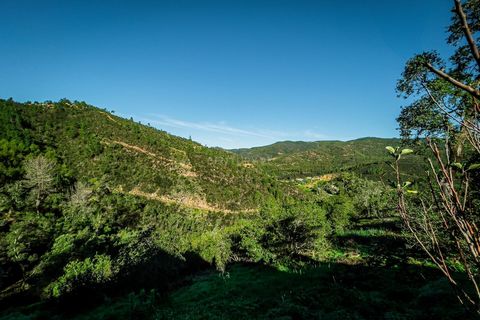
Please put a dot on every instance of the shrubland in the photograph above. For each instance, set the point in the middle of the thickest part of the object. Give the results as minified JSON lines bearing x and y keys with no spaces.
{"x":103,"y":217}
{"x":93,"y":205}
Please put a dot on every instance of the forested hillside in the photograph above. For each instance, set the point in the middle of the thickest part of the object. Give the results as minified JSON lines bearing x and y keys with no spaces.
{"x":119,"y":215}
{"x":92,"y":202}
{"x":299,"y":159}
{"x":103,"y":217}
{"x":366,"y":147}
{"x":91,"y":143}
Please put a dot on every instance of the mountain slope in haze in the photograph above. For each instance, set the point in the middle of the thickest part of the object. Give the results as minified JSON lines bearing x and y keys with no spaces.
{"x":135,"y":158}
{"x":297,"y":159}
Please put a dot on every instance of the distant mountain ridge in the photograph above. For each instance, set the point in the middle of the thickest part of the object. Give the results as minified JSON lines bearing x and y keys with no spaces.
{"x":292,"y":159}
{"x":288,"y":146}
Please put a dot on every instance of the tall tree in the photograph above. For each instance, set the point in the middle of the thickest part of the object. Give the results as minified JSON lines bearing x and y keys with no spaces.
{"x":445,"y":112}
{"x":39,"y":176}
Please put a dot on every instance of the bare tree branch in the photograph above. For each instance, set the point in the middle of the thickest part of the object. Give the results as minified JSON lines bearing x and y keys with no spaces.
{"x":467,"y":32}
{"x":474,"y":92}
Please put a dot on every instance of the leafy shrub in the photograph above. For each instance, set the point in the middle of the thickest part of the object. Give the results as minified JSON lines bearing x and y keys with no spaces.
{"x":79,"y":273}
{"x":214,"y":247}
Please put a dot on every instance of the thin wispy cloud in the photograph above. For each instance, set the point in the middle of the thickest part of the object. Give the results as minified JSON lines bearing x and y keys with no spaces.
{"x":228,"y":136}
{"x":220,"y":127}
{"x":206,"y":126}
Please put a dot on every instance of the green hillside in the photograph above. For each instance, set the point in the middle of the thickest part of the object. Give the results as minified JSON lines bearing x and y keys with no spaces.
{"x":137,"y":223}
{"x":91,"y":201}
{"x":299,"y":159}
{"x":104,"y":217}
{"x":135,"y":158}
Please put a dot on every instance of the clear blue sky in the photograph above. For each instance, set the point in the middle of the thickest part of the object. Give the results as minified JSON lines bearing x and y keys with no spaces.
{"x":227,"y":73}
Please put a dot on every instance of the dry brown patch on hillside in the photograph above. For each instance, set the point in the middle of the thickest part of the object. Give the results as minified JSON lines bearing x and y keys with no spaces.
{"x":186,"y":201}
{"x":109,"y":117}
{"x":248,"y":165}
{"x":312,"y":181}
{"x":327,"y":177}
{"x":139,"y":149}
{"x":184,"y":169}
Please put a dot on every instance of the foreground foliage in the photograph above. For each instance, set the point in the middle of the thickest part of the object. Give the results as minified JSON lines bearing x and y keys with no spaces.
{"x":366,"y":277}
{"x":444,"y":218}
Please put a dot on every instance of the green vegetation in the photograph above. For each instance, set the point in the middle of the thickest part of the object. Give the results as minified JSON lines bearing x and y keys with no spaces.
{"x":326,"y":291}
{"x":94,"y":144}
{"x":96,"y":206}
{"x":121,"y":216}
{"x":298,"y":159}
{"x":105,"y":218}
{"x":366,"y":276}
{"x":442,"y":215}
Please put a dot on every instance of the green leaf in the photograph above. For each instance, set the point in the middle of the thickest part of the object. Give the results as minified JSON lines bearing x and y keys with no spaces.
{"x":407,"y":151}
{"x":406,"y":184}
{"x":457,"y":165}
{"x":412,"y":191}
{"x":474,"y":166}
{"x":390,"y":149}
